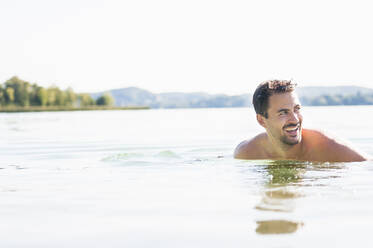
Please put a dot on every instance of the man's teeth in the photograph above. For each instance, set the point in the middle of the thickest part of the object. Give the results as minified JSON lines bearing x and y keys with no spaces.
{"x":291,"y":129}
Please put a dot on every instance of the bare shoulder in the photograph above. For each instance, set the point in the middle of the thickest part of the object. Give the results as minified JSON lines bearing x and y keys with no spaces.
{"x":320,"y":138}
{"x":332,"y":148}
{"x":251,"y":148}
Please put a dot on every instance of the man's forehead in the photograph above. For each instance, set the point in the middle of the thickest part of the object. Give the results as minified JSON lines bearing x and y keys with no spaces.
{"x":283,"y":100}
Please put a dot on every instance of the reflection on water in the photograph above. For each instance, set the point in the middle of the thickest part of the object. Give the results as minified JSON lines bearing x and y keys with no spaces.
{"x":278,"y":200}
{"x":281,"y":190}
{"x":277,"y":227}
{"x":284,"y":172}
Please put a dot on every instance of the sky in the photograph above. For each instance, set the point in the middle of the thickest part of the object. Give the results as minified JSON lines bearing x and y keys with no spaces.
{"x":190,"y":46}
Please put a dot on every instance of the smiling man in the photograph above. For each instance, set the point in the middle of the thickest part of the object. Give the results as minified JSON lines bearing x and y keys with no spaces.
{"x":278,"y":110}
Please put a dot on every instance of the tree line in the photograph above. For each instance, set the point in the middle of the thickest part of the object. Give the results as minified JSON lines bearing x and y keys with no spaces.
{"x":327,"y":100}
{"x":17,"y":92}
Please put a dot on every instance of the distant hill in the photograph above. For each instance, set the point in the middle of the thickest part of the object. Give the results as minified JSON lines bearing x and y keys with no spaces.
{"x":315,"y":91}
{"x":133,"y":96}
{"x":130,"y":96}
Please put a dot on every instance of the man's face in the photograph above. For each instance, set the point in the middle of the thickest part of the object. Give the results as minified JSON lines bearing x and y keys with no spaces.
{"x":284,"y":120}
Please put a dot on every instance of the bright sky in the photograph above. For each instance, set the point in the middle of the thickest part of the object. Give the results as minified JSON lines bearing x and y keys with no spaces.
{"x":193,"y":45}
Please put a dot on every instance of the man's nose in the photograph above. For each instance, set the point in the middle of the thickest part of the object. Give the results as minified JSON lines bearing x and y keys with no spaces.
{"x":293,"y":117}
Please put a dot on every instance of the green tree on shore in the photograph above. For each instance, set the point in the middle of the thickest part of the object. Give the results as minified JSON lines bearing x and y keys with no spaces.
{"x":70,"y":97}
{"x":41,"y":97}
{"x":85,"y":100}
{"x":105,"y":100}
{"x":2,"y":96}
{"x":21,"y":89}
{"x":17,"y":92}
{"x":9,"y":95}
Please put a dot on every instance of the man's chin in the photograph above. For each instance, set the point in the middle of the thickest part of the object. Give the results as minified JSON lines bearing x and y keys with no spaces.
{"x":291,"y":141}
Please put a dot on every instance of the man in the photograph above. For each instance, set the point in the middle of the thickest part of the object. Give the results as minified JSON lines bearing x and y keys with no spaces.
{"x":278,"y":110}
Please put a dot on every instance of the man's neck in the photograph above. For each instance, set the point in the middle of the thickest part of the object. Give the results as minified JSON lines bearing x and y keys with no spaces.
{"x":279,"y":150}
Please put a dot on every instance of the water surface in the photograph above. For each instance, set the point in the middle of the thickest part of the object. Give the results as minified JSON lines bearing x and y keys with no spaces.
{"x":166,"y":178}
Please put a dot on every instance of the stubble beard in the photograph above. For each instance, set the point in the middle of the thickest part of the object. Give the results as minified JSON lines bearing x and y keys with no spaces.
{"x":291,"y":142}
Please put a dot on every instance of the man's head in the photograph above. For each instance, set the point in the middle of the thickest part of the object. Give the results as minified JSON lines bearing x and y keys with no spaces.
{"x":278,"y":110}
{"x":267,"y":89}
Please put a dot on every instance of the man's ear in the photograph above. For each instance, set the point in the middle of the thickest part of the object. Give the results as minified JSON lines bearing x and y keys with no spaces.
{"x":260,"y":119}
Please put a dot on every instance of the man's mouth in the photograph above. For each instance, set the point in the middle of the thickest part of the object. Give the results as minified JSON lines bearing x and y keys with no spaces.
{"x":292,"y":130}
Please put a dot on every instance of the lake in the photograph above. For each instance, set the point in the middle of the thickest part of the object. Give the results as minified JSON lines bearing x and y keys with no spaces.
{"x":166,"y":178}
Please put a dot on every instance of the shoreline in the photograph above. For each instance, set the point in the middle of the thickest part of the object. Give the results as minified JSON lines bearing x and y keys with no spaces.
{"x":17,"y":109}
